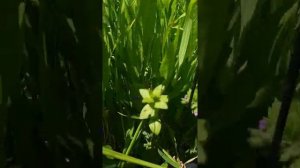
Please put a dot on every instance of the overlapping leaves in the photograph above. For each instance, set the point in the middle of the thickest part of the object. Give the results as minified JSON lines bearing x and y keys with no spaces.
{"x":155,"y":101}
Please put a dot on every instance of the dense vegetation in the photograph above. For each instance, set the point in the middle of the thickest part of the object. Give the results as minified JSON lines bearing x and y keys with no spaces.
{"x":244,"y":52}
{"x":50,"y":83}
{"x":149,"y":83}
{"x":162,"y":63}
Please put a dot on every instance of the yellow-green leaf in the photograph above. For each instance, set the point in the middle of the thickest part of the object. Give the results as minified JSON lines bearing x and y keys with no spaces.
{"x":147,"y":112}
{"x":145,"y":93}
{"x":161,"y":105}
{"x":164,"y":98}
{"x":158,"y":90}
{"x":108,"y":147}
{"x":155,"y":126}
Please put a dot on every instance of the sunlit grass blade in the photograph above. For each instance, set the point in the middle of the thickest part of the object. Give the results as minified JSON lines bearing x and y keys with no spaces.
{"x":164,"y":154}
{"x":111,"y":153}
{"x":185,"y":40}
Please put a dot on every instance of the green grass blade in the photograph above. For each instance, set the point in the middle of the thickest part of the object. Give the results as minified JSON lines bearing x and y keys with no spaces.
{"x":168,"y":158}
{"x":185,"y":39}
{"x":121,"y":156}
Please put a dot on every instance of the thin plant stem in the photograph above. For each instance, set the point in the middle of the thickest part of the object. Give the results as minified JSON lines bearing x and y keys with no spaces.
{"x":132,"y":142}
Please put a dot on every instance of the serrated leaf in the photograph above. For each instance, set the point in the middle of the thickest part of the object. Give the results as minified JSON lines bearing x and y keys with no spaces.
{"x":147,"y":112}
{"x":155,"y":126}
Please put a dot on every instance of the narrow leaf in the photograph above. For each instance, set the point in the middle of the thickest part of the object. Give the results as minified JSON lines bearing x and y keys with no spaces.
{"x":185,"y":40}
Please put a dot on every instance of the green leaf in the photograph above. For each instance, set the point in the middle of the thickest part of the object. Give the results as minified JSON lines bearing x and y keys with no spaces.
{"x":164,"y":98}
{"x":21,"y":13}
{"x":132,"y":116}
{"x":295,"y":164}
{"x":247,"y":11}
{"x":111,"y":153}
{"x":108,"y":147}
{"x":168,"y":158}
{"x":161,"y":105}
{"x":158,"y":91}
{"x":145,"y":93}
{"x":155,"y":126}
{"x":165,"y":165}
{"x":185,"y":40}
{"x":290,"y":152}
{"x":201,"y":154}
{"x":147,"y":112}
{"x":202,"y":132}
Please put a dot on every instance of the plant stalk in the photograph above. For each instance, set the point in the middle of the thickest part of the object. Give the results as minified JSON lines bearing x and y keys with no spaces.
{"x":121,"y":156}
{"x":135,"y":137}
{"x":288,"y":92}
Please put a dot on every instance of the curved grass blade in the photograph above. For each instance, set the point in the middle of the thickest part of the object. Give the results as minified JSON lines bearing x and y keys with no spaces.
{"x":111,"y":153}
{"x":164,"y":154}
{"x":133,"y":116}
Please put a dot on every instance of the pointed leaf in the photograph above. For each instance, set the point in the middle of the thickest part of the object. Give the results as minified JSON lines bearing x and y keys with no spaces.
{"x":145,"y":93}
{"x":147,"y":112}
{"x":161,"y":105}
{"x":185,"y":40}
{"x":158,"y":91}
{"x":168,"y":159}
{"x":164,"y":98}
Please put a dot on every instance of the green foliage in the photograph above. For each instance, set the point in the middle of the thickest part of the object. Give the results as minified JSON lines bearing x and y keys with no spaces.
{"x":194,"y":101}
{"x":50,"y":64}
{"x":150,"y":59}
{"x":262,"y":137}
{"x":112,"y":154}
{"x":156,"y":101}
{"x":167,"y":157}
{"x":244,"y":51}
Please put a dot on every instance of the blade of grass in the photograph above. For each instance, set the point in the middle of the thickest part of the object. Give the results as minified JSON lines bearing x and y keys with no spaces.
{"x":168,"y":158}
{"x":185,"y":40}
{"x":121,"y":156}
